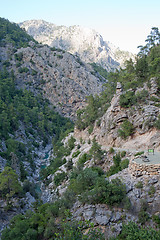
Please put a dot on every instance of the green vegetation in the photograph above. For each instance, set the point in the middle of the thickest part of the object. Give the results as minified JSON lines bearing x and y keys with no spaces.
{"x":96,"y":151}
{"x":12,"y":33}
{"x":139,"y":185}
{"x":98,"y":69}
{"x":143,"y":215}
{"x":59,"y":178}
{"x":50,"y":221}
{"x":71,"y":142}
{"x":139,"y":153}
{"x":157,"y":123}
{"x":23,"y":70}
{"x":118,"y":165}
{"x":82,"y":159}
{"x":75,"y":154}
{"x":9,"y":184}
{"x":92,"y":187}
{"x":60,"y":152}
{"x":126,"y":129}
{"x":152,"y":191}
{"x":111,"y":150}
{"x":132,"y":231}
{"x":21,"y":107}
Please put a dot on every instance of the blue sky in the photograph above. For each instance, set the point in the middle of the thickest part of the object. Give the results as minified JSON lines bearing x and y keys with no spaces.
{"x":125,"y":23}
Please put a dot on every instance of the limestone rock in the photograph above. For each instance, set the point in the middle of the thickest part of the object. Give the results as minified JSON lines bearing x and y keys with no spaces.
{"x":81,"y":41}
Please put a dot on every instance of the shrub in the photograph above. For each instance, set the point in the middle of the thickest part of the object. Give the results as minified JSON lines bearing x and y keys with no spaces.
{"x":75,"y":154}
{"x":84,"y":180}
{"x":138,"y":153}
{"x":59,"y":178}
{"x":156,"y":219}
{"x":111,"y":193}
{"x":117,"y":159}
{"x":111,"y":150}
{"x":139,"y":185}
{"x":133,"y":231}
{"x":96,"y":151}
{"x":23,"y":70}
{"x":126,"y":129}
{"x":143,"y":215}
{"x":90,"y":129}
{"x":116,"y":192}
{"x":157,"y":123}
{"x":69,"y":165}
{"x":9,"y":184}
{"x":142,"y":96}
{"x":123,"y":154}
{"x":71,"y":142}
{"x":34,"y":72}
{"x":85,"y":157}
{"x":124,"y":163}
{"x":152,"y":191}
{"x":127,"y":99}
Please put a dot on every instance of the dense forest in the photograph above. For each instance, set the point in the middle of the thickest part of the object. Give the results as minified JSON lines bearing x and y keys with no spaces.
{"x":22,"y":111}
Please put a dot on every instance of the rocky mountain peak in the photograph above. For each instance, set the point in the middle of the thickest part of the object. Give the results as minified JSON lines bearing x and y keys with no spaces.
{"x":81,"y":41}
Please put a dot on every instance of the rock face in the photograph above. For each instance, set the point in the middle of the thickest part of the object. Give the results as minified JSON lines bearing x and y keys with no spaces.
{"x":142,"y":116}
{"x":83,"y":42}
{"x":61,"y":77}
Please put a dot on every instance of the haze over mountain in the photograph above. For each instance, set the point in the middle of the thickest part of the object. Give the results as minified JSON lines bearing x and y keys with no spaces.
{"x":81,"y":41}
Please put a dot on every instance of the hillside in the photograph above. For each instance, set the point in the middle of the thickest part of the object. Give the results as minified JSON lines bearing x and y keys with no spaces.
{"x":83,"y":42}
{"x":48,"y":70}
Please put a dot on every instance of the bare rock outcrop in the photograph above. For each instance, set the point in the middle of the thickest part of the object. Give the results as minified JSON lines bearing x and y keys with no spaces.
{"x":81,"y":41}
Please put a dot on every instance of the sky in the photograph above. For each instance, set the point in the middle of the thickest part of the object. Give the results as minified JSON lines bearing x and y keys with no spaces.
{"x":125,"y":23}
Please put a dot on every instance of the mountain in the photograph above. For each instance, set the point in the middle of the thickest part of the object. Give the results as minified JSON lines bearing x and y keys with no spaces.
{"x":84,"y":185}
{"x":80,"y":41}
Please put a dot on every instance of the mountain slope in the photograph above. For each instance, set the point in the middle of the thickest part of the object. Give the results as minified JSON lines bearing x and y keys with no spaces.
{"x":83,"y":42}
{"x":62,"y":78}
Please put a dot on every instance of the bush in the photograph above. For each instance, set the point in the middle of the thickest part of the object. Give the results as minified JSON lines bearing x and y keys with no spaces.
{"x":126,"y":129}
{"x":111,"y":150}
{"x":116,"y":192}
{"x":23,"y":70}
{"x":85,"y":157}
{"x":127,"y":99}
{"x":111,"y":193}
{"x":118,"y":165}
{"x":9,"y":184}
{"x":75,"y":154}
{"x":34,"y":72}
{"x":123,"y":154}
{"x":152,"y":191}
{"x":139,"y":153}
{"x":71,"y":142}
{"x":157,"y":123}
{"x":84,"y":180}
{"x":96,"y":151}
{"x":143,"y":215}
{"x":132,"y":231}
{"x":124,"y":164}
{"x":69,"y":165}
{"x":59,"y":178}
{"x":139,"y":185}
